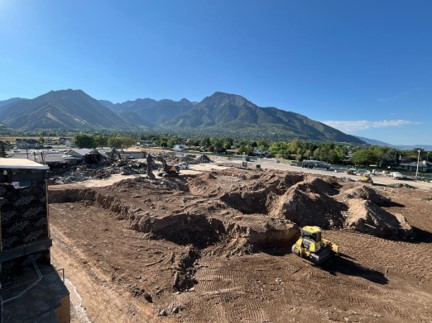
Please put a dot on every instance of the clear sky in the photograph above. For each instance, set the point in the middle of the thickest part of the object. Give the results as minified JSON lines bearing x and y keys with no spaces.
{"x":364,"y":67}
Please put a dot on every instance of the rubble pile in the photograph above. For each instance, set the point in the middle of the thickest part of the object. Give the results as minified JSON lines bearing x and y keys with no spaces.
{"x":88,"y":172}
{"x":204,"y":159}
{"x":66,"y":174}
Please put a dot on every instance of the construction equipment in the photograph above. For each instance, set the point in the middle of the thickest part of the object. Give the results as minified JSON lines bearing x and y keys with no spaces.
{"x":366,"y":178}
{"x":168,"y":170}
{"x":310,"y":245}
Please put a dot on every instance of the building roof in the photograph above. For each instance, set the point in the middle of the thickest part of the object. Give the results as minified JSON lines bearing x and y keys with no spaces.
{"x":17,"y":163}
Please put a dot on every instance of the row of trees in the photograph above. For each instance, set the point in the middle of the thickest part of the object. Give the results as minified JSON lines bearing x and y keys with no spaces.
{"x":93,"y":141}
{"x":334,"y":153}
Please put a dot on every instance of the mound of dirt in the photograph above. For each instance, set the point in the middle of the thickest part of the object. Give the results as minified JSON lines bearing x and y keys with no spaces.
{"x":364,"y":216}
{"x":247,"y":202}
{"x":62,"y":195}
{"x":366,"y":193}
{"x":140,"y":183}
{"x":307,"y":208}
{"x":263,"y":232}
{"x":325,"y":203}
{"x":401,"y":185}
{"x":327,"y":186}
{"x":196,"y":229}
{"x":310,"y":203}
{"x":204,"y":159}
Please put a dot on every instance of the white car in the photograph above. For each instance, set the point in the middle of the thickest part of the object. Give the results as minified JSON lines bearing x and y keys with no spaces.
{"x":397,"y":175}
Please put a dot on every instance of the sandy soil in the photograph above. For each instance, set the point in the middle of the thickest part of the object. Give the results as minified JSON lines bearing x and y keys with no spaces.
{"x":200,"y":249}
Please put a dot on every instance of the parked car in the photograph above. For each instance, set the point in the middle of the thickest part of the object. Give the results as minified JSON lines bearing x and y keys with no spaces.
{"x":397,"y":175}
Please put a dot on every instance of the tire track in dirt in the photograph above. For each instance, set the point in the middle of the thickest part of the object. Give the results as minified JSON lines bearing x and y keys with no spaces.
{"x":390,"y":257}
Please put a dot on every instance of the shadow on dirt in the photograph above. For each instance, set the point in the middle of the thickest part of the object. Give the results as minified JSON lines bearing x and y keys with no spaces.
{"x":341,"y":264}
{"x":278,"y":251}
{"x":421,"y":236}
{"x":346,"y":266}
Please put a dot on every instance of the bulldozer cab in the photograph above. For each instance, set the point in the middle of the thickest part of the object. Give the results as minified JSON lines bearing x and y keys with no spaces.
{"x":311,"y":232}
{"x":310,"y":245}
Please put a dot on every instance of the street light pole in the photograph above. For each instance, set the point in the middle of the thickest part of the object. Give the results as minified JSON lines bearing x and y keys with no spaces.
{"x":418,"y":160}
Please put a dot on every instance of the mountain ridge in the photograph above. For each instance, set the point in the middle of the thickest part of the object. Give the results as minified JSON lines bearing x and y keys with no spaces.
{"x":219,"y":113}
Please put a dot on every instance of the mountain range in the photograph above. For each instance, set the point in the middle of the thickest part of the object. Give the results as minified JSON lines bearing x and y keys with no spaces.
{"x":217,"y":114}
{"x":401,"y":147}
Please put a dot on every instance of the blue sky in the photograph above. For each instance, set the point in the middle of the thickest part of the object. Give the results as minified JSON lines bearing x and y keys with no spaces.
{"x":364,"y":67}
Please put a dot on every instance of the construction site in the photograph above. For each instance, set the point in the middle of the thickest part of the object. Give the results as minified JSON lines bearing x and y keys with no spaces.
{"x":214,"y":243}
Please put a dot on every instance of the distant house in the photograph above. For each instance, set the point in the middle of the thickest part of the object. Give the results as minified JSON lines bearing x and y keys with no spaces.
{"x":423,"y":166}
{"x":315,"y":164}
{"x":232,"y":151}
{"x":28,"y":144}
{"x":144,"y":143}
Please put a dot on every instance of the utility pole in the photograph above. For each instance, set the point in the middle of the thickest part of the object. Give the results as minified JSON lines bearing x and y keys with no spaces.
{"x":418,"y":161}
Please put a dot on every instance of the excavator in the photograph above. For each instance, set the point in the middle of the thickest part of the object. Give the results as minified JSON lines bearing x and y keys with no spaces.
{"x":310,"y":245}
{"x":168,"y":170}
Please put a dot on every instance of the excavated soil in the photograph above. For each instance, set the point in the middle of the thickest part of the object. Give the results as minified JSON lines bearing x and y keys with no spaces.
{"x":216,"y":247}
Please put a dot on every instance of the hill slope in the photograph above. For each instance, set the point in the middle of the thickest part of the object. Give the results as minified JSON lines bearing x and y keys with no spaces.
{"x":65,"y":109}
{"x":232,"y":114}
{"x":152,"y":112}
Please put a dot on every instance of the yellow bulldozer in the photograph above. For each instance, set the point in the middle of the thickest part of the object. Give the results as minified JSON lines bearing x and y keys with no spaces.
{"x":310,"y":245}
{"x":366,"y":178}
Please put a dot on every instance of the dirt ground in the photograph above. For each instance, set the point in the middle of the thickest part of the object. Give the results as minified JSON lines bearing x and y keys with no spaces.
{"x":215,"y":247}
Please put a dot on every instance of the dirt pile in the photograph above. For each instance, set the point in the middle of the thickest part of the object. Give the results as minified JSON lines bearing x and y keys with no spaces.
{"x":310,"y":202}
{"x":367,"y":217}
{"x":247,"y":202}
{"x":204,"y":159}
{"x":184,"y":229}
{"x":366,"y":193}
{"x":263,"y":232}
{"x":326,"y":203}
{"x":365,"y":214}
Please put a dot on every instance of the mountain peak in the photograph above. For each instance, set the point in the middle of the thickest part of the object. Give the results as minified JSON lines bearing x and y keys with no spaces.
{"x":220,"y":98}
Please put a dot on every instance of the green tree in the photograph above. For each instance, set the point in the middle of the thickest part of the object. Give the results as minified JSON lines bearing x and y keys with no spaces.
{"x":218,"y":145}
{"x":262,"y":145}
{"x":171,"y":142}
{"x":294,"y":146}
{"x":120,"y":142}
{"x":364,"y":157}
{"x":206,"y":142}
{"x":247,"y":149}
{"x":84,"y":141}
{"x":101,"y":140}
{"x":228,"y":143}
